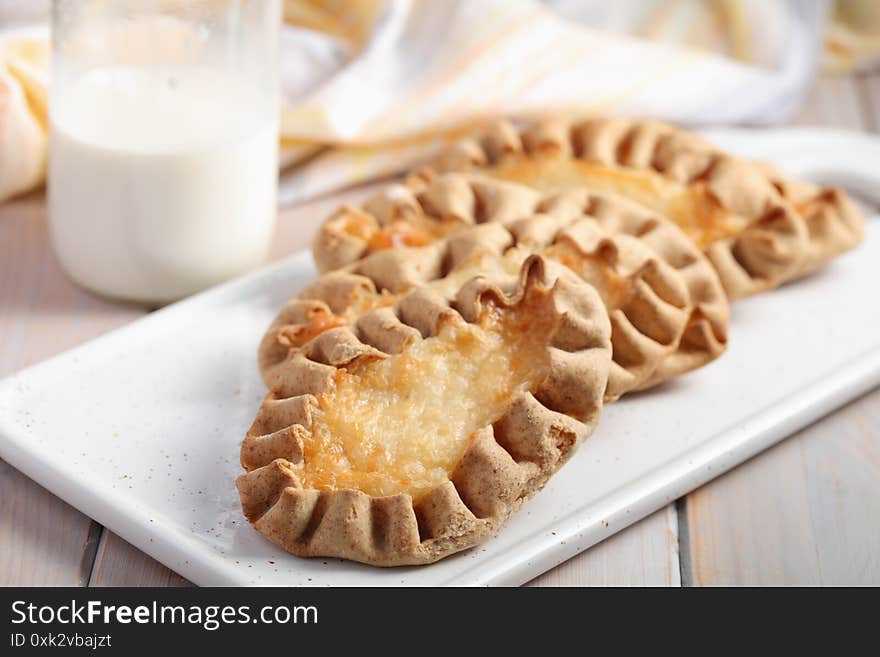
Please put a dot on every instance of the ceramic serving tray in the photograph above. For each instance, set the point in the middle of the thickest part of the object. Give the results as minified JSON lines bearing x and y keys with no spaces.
{"x":140,"y":429}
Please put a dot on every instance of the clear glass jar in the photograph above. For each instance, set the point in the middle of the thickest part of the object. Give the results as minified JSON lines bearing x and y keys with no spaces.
{"x":163,"y":157}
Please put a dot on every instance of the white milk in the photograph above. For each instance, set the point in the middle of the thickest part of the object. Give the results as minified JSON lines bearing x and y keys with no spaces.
{"x":161,"y":181}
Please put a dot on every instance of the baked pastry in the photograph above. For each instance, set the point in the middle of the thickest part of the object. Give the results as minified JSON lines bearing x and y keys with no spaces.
{"x":758,"y":230}
{"x":669,"y":312}
{"x":412,"y":428}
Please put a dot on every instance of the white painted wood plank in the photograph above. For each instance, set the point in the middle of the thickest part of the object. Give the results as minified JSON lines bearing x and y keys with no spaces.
{"x":118,"y":563}
{"x":645,"y":554}
{"x":43,"y":540}
{"x":841,"y":460}
{"x":804,"y":512}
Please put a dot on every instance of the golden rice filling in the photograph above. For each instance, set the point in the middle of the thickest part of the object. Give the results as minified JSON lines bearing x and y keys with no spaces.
{"x":692,"y":207}
{"x":320,"y":320}
{"x":414,"y":231}
{"x":614,"y":288}
{"x":401,"y":424}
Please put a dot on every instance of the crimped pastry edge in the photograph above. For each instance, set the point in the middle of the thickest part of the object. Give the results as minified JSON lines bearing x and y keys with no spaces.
{"x":505,"y":464}
{"x":781,"y":242}
{"x":472,"y":201}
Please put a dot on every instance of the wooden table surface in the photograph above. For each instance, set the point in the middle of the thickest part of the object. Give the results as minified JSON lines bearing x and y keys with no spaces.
{"x":804,"y":512}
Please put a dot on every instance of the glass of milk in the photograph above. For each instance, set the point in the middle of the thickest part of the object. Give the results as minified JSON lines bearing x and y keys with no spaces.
{"x":163,"y":157}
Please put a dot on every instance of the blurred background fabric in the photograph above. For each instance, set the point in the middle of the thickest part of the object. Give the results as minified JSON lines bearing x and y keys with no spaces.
{"x":372,"y":87}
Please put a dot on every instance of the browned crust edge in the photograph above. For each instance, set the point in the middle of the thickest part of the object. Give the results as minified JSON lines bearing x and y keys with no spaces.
{"x":471,"y":204}
{"x":505,"y":464}
{"x":794,"y":228}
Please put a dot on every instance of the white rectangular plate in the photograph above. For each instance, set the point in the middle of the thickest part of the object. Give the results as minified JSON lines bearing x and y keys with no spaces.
{"x":140,"y":429}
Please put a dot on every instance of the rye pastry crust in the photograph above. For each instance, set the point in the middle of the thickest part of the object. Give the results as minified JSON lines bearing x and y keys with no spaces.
{"x":412,"y":427}
{"x":758,"y":229}
{"x":668,"y":310}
